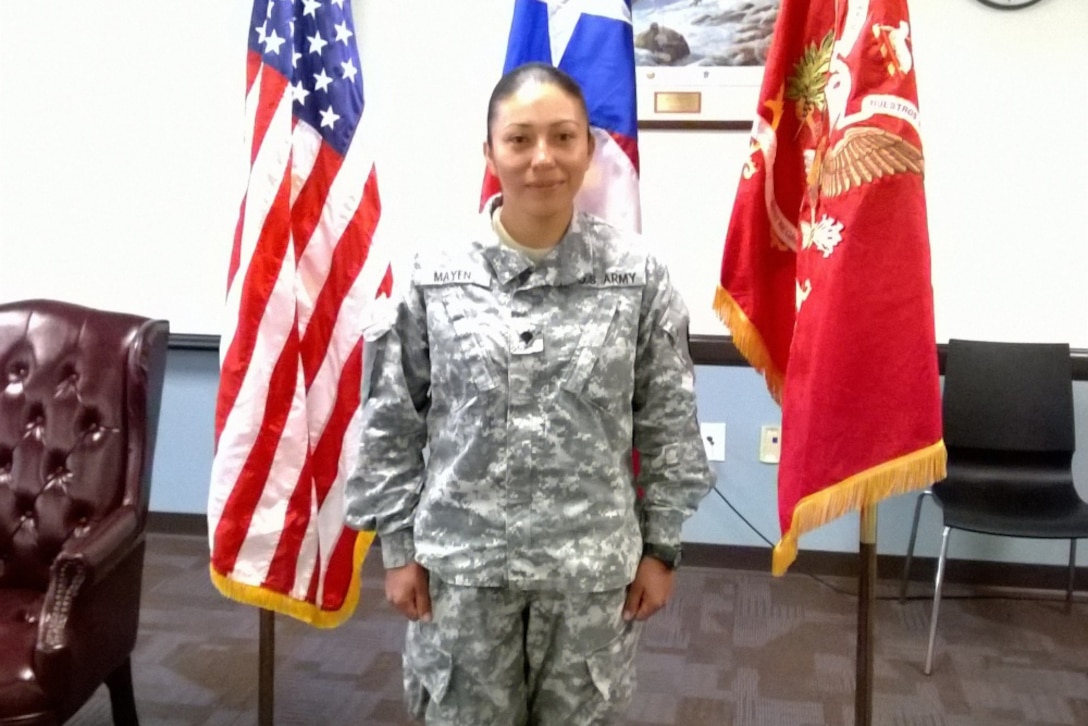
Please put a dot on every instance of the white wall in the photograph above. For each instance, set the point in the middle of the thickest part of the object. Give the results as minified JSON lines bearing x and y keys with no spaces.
{"x":122,"y":164}
{"x":121,"y":159}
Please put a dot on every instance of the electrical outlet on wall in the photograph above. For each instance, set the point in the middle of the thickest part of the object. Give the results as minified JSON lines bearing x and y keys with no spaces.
{"x":770,"y":444}
{"x":713,"y":440}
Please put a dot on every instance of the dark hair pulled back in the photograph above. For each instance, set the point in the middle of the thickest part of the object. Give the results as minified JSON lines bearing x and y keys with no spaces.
{"x":535,"y":72}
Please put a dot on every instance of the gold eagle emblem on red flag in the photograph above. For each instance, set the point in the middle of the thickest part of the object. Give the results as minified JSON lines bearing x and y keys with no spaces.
{"x":865,"y":154}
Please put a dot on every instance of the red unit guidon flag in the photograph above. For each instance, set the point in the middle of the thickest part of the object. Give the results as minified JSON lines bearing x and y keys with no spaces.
{"x":593,"y":42}
{"x":825,"y":281}
{"x":304,"y":266}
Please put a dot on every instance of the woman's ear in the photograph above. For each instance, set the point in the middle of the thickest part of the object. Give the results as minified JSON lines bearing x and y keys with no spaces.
{"x":487,"y":158}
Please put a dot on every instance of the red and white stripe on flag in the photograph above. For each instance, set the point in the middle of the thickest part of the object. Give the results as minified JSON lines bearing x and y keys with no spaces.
{"x":305,"y":264}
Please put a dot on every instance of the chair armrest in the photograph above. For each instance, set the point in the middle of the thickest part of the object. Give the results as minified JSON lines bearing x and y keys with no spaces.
{"x":106,"y":545}
{"x":91,"y":609}
{"x":83,"y":562}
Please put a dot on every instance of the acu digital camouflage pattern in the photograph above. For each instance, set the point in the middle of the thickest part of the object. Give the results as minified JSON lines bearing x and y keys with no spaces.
{"x":528,"y":384}
{"x":569,"y":658}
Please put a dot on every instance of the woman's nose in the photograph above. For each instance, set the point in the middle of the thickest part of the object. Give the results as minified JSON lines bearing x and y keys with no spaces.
{"x":542,"y":153}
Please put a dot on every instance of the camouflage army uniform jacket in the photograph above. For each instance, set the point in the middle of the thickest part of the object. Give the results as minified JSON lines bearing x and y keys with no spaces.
{"x":527,"y":384}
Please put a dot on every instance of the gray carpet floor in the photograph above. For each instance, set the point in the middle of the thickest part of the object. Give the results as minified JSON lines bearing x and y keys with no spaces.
{"x":733,"y":647}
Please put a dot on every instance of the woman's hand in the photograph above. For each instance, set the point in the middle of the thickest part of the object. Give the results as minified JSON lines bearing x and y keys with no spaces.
{"x":406,"y":589}
{"x":650,"y":590}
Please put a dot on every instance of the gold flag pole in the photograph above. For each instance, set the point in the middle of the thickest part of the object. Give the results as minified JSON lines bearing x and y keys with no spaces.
{"x":863,"y":692}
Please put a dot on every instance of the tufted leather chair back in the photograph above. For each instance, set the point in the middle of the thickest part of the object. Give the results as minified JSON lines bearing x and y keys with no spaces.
{"x":72,"y":427}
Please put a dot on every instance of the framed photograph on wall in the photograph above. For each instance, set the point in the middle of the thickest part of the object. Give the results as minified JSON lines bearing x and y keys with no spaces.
{"x":699,"y":63}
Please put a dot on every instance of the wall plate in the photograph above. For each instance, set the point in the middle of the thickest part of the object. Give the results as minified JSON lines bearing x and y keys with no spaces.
{"x":770,"y":444}
{"x":713,"y":435}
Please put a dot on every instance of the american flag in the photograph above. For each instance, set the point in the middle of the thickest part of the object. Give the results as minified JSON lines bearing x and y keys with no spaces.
{"x":304,"y":266}
{"x":592,"y":41}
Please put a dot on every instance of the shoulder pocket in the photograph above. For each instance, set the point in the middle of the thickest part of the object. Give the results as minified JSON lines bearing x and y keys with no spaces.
{"x":590,"y":347}
{"x":467,"y":345}
{"x":461,"y":349}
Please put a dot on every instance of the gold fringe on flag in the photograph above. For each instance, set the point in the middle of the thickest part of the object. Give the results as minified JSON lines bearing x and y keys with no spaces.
{"x":749,"y":342}
{"x":298,"y":609}
{"x":915,"y":470}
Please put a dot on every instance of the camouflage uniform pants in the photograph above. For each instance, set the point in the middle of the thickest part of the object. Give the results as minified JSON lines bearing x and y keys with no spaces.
{"x":499,"y":657}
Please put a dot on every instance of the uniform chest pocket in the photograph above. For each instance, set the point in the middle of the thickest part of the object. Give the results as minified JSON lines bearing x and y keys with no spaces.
{"x":601,"y":370}
{"x":459,"y":360}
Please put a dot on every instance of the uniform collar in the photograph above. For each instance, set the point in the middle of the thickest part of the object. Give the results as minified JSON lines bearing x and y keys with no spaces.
{"x":569,"y":262}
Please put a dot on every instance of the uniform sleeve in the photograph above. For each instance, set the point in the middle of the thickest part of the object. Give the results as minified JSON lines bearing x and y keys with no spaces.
{"x":384,"y":490}
{"x":674,"y":474}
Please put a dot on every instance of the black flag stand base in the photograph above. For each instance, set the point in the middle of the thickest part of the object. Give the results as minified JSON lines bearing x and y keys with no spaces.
{"x":266,"y":658}
{"x":863,"y":691}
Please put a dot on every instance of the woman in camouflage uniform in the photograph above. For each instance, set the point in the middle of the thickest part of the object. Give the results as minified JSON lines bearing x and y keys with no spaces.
{"x":527,"y":360}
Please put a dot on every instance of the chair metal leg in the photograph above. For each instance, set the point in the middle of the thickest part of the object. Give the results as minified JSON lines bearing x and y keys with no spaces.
{"x":938,"y":582}
{"x":122,"y":698}
{"x":910,"y":546}
{"x":1072,"y":576}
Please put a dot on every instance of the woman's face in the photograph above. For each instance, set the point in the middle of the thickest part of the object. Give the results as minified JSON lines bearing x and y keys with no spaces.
{"x":540,"y":149}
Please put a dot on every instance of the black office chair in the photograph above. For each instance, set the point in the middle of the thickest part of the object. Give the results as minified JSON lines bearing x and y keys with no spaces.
{"x":1008,"y":427}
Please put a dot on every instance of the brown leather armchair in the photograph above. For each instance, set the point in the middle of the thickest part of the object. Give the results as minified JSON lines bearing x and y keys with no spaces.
{"x":79,"y":407}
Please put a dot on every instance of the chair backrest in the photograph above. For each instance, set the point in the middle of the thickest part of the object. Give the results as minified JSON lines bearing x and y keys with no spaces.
{"x":1009,"y":397}
{"x":79,"y":398}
